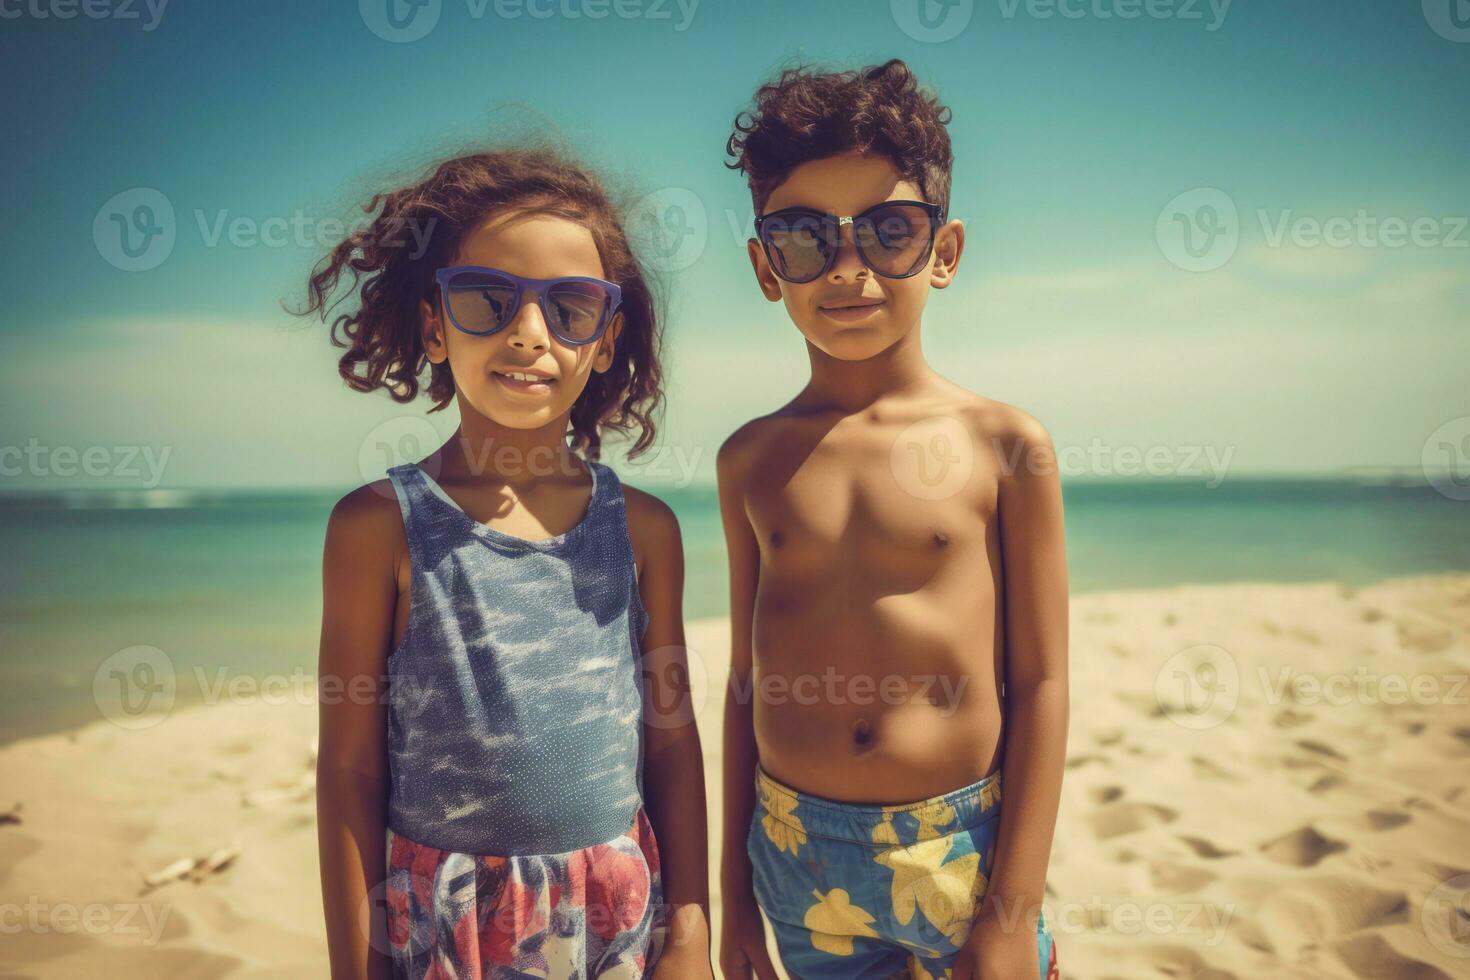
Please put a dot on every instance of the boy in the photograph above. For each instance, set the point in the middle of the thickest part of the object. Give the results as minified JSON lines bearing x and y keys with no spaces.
{"x":896,"y":553}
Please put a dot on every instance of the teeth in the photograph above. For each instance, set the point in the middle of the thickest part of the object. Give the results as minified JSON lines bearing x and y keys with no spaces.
{"x":522,"y":376}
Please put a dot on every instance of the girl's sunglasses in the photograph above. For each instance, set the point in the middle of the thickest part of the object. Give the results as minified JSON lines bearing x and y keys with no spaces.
{"x":894,"y":239}
{"x":482,"y":300}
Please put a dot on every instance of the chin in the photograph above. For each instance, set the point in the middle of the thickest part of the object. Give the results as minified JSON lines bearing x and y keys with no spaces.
{"x":855,"y":343}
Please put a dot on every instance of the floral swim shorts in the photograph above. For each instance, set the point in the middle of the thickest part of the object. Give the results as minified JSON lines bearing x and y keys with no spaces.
{"x":875,"y":891}
{"x":593,"y":912}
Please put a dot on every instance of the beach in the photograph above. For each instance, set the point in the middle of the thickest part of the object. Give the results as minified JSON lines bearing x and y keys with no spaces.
{"x":1263,"y":780}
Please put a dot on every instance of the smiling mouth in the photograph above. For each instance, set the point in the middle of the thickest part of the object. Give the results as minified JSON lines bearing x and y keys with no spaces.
{"x":524,"y":381}
{"x":854,"y":311}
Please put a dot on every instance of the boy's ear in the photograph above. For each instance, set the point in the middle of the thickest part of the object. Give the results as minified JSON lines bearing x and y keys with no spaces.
{"x":949,"y":245}
{"x":607,"y":344}
{"x":764,"y":277}
{"x":431,"y":326}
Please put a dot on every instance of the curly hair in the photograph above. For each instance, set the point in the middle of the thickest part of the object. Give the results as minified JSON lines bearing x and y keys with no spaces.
{"x":807,"y":115}
{"x":414,"y":230}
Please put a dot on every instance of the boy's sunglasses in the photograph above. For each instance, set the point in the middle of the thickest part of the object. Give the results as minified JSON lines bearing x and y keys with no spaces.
{"x":482,"y":300}
{"x":894,"y":239}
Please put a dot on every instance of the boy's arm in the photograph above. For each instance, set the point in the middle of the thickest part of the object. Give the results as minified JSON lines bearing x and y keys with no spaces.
{"x":743,"y":950}
{"x":359,"y":594}
{"x":673,"y":763}
{"x":1033,"y":550}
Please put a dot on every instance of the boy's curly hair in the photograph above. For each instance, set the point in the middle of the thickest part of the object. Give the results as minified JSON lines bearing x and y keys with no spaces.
{"x":809,"y":115}
{"x":416,"y":229}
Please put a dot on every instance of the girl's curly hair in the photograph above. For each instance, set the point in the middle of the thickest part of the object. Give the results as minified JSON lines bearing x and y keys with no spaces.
{"x":415,"y":230}
{"x":807,"y":115}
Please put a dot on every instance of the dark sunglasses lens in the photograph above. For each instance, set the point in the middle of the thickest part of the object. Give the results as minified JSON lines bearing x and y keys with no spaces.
{"x":480,"y":302}
{"x":576,"y":310}
{"x":896,"y":240}
{"x":797,"y":244}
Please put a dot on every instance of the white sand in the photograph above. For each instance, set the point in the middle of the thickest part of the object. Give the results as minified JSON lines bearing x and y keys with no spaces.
{"x":1289,"y":838}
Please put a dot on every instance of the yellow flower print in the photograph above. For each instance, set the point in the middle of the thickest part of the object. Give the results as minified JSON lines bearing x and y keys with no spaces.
{"x":834,"y":921}
{"x":782,"y":826}
{"x":945,"y":891}
{"x":916,"y":968}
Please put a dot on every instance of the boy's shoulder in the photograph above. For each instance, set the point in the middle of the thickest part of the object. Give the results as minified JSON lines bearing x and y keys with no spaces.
{"x":989,"y":422}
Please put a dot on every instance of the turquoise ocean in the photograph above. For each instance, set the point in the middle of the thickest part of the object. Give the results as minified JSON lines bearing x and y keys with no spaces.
{"x":227,"y":585}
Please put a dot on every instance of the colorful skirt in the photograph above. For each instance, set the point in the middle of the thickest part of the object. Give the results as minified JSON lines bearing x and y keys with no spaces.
{"x":593,"y":912}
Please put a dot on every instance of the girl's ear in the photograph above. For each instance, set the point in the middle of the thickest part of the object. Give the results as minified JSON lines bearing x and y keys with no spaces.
{"x":764,"y":277}
{"x":431,"y":325}
{"x":607,"y":344}
{"x":949,"y":244}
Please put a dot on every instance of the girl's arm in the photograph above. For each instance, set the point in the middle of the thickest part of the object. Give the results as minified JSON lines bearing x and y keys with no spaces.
{"x":1034,"y":563}
{"x":359,"y":596}
{"x":673,"y":772}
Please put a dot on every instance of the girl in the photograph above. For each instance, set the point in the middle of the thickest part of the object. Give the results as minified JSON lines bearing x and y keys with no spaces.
{"x":490,"y":612}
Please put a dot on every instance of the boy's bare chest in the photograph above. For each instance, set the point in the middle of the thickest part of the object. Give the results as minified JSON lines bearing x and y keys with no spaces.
{"x":900,"y":500}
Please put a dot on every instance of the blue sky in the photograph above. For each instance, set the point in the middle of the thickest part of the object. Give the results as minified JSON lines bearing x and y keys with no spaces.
{"x":1086,"y":141}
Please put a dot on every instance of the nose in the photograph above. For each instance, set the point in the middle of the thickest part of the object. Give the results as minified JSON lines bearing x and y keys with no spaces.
{"x":527,"y":330}
{"x":847,"y":264}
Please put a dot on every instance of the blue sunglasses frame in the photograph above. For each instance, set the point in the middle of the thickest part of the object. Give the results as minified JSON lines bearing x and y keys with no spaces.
{"x":540,"y":288}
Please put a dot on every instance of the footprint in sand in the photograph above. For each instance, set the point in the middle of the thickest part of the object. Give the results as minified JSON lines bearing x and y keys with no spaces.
{"x":1206,"y":849}
{"x":1327,"y":907}
{"x":1291,"y":718}
{"x":1174,"y":879}
{"x":1207,"y":768}
{"x":1105,"y":794}
{"x":1302,"y":848}
{"x":1370,"y":955}
{"x":1116,"y":819}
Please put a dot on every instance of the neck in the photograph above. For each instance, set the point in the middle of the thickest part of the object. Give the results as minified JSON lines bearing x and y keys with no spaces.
{"x":482,"y":448}
{"x":851,"y":386}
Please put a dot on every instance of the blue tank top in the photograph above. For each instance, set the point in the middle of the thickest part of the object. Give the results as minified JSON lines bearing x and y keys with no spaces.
{"x":515,"y":708}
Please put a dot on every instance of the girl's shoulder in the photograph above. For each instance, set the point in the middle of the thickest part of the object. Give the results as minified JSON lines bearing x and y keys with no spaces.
{"x":652,"y":526}
{"x":367,"y":525}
